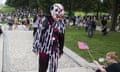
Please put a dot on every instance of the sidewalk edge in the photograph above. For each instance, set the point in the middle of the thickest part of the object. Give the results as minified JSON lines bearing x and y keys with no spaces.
{"x":78,"y":59}
{"x":1,"y":52}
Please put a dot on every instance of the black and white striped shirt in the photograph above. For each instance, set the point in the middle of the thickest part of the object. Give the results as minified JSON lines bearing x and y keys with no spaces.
{"x":49,"y":36}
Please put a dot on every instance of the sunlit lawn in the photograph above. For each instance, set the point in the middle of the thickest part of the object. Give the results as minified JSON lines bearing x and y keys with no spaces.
{"x":99,"y":45}
{"x":7,"y":9}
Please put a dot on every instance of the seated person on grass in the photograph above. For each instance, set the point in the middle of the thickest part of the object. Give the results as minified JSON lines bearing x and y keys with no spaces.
{"x":113,"y":66}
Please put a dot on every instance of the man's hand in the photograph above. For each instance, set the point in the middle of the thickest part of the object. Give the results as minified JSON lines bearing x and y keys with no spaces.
{"x":60,"y":54}
{"x":95,"y":62}
{"x":99,"y":66}
{"x":35,"y":51}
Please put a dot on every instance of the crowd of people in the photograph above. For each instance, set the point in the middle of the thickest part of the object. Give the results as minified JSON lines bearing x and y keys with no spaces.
{"x":30,"y":19}
{"x":19,"y":17}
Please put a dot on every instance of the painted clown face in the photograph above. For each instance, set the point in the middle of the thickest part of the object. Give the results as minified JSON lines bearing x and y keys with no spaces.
{"x":57,"y":11}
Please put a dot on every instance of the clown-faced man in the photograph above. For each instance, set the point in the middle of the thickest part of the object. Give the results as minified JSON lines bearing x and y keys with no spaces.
{"x":49,"y":39}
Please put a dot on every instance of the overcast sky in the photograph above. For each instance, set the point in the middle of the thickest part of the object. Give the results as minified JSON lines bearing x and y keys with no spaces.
{"x":2,"y":1}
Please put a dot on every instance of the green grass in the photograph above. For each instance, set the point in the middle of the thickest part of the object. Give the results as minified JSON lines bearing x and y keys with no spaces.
{"x":79,"y":14}
{"x":99,"y":45}
{"x":7,"y":9}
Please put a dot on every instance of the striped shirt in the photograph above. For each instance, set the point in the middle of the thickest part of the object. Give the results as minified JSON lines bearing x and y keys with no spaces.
{"x":49,"y":36}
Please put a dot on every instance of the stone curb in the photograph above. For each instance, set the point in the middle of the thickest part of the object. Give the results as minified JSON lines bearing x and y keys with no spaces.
{"x":78,"y":59}
{"x":1,"y":52}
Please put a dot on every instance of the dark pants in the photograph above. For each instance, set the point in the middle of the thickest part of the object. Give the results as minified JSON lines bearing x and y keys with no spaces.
{"x":43,"y":62}
{"x":86,"y":28}
{"x":98,"y":70}
{"x":0,"y":31}
{"x":34,"y":31}
{"x":104,"y":30}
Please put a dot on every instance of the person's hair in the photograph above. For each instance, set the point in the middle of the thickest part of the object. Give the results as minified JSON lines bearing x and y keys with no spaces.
{"x":112,"y":55}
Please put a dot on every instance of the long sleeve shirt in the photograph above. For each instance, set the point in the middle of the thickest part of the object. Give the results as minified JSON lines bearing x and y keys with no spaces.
{"x":49,"y":36}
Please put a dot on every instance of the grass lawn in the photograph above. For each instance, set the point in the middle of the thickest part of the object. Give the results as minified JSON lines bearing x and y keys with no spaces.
{"x":7,"y":9}
{"x":99,"y":45}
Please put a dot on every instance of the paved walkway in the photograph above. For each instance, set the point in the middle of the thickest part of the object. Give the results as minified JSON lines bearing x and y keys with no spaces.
{"x":20,"y":57}
{"x":1,"y":52}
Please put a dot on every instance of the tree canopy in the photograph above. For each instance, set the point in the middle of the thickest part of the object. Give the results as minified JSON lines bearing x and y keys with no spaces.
{"x":74,"y":5}
{"x":110,"y":6}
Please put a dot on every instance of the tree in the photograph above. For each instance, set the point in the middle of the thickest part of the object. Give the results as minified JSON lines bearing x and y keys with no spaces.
{"x":18,"y":3}
{"x":33,"y":4}
{"x":115,"y":11}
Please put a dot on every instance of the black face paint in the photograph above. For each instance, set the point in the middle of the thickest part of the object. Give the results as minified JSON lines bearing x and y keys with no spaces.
{"x":51,"y":8}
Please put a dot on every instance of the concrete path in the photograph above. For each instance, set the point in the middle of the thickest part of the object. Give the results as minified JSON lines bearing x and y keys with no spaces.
{"x":20,"y":57}
{"x":1,"y":52}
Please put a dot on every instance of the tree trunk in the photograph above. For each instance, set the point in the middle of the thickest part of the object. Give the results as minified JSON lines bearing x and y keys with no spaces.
{"x":98,"y":9}
{"x":114,"y":15}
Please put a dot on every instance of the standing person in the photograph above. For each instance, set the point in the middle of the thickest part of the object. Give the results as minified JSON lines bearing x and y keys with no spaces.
{"x":27,"y":22}
{"x":49,"y":39}
{"x":113,"y":66}
{"x":93,"y":23}
{"x":104,"y":25}
{"x":35,"y":24}
{"x":1,"y":30}
{"x":87,"y":24}
{"x":10,"y":22}
{"x":78,"y":20}
{"x":15,"y":21}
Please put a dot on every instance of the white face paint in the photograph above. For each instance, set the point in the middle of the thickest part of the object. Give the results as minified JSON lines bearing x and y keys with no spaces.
{"x":57,"y":11}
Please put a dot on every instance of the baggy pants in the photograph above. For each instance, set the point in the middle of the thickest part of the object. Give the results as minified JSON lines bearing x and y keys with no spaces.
{"x":34,"y":31}
{"x":45,"y":60}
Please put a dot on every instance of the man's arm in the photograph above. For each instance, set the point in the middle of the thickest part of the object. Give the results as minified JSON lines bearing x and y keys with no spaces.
{"x":42,"y":27}
{"x":36,"y":41}
{"x":99,"y":66}
{"x":61,"y":38}
{"x":61,"y":42}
